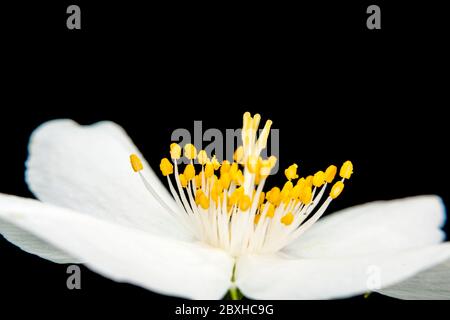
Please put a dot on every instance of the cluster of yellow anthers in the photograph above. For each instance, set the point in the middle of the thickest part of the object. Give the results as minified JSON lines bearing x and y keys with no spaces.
{"x":224,"y":204}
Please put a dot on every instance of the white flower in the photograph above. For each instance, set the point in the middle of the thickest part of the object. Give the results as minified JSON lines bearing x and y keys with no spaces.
{"x":94,"y":209}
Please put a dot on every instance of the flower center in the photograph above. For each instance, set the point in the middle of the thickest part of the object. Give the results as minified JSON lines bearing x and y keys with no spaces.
{"x":224,"y":205}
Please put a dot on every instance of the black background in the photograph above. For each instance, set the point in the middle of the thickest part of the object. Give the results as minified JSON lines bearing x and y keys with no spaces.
{"x":335,"y":90}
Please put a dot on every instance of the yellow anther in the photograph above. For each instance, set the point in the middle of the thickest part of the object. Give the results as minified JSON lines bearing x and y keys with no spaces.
{"x":336,"y":189}
{"x":301,"y":182}
{"x":273,"y":196}
{"x":257,"y":218}
{"x":244,"y":202}
{"x":252,"y":163}
{"x":319,"y":179}
{"x":215,"y":163}
{"x":306,"y":195}
{"x":236,"y":196}
{"x":198,"y":180}
{"x":287,"y":219}
{"x":270,"y":211}
{"x":239,"y":154}
{"x":216,"y":191}
{"x":265,"y":168}
{"x":190,"y":151}
{"x":309,"y":181}
{"x":183,"y":180}
{"x":238,"y":178}
{"x":189,"y":172}
{"x":273,"y":161}
{"x":285,"y":192}
{"x":136,"y":163}
{"x":262,"y":196}
{"x":256,"y":120}
{"x":295,"y":192}
{"x":291,"y":172}
{"x":175,"y":151}
{"x":202,"y":157}
{"x":209,"y":170}
{"x":262,"y":140}
{"x":233,"y":169}
{"x":201,"y":199}
{"x":226,"y":166}
{"x":330,"y":173}
{"x":225,"y":180}
{"x":166,"y":167}
{"x":247,"y":118}
{"x":346,"y":170}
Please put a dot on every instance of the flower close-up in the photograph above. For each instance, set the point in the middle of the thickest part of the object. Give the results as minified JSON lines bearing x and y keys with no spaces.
{"x":216,"y":230}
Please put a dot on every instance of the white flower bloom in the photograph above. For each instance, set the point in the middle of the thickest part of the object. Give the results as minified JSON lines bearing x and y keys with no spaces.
{"x":210,"y":234}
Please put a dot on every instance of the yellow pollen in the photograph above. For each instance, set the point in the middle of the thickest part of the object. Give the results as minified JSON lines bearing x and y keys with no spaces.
{"x":189,"y":172}
{"x":190,"y":151}
{"x":273,"y":196}
{"x":336,"y":189}
{"x":247,"y":118}
{"x":223,"y":191}
{"x":291,"y":172}
{"x":285,"y":192}
{"x":262,"y":140}
{"x":244,"y":202}
{"x":225,"y":180}
{"x":309,"y":181}
{"x":270,"y":211}
{"x":319,"y":179}
{"x":266,"y":167}
{"x":175,"y":151}
{"x":166,"y":167}
{"x":295,"y":192}
{"x":346,"y":170}
{"x":287,"y":219}
{"x":306,"y":195}
{"x":136,"y":163}
{"x":209,"y":170}
{"x":256,"y":120}
{"x":233,"y":169}
{"x":215,"y":163}
{"x":202,"y":157}
{"x":330,"y":173}
{"x":273,"y":161}
{"x":239,"y":154}
{"x":183,"y":180}
{"x":201,"y":199}
{"x":262,"y":196}
{"x":226,"y":166}
{"x":301,"y":182}
{"x":238,"y":178}
{"x":252,"y":163}
{"x":198,"y":180}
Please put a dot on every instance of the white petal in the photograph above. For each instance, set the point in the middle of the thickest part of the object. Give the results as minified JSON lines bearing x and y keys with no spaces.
{"x":164,"y":265}
{"x":32,"y":244}
{"x":431,"y":284}
{"x":87,"y":168}
{"x":376,"y":227}
{"x":271,"y":277}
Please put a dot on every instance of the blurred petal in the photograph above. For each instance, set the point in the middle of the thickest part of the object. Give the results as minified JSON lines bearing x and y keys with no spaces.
{"x":124,"y":254}
{"x":276,"y":277}
{"x":87,"y":168}
{"x":374,"y":228}
{"x":31,"y":244}
{"x":431,"y":284}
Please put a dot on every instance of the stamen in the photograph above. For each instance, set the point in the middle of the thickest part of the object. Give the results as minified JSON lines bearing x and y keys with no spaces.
{"x":224,"y":205}
{"x":136,"y":163}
